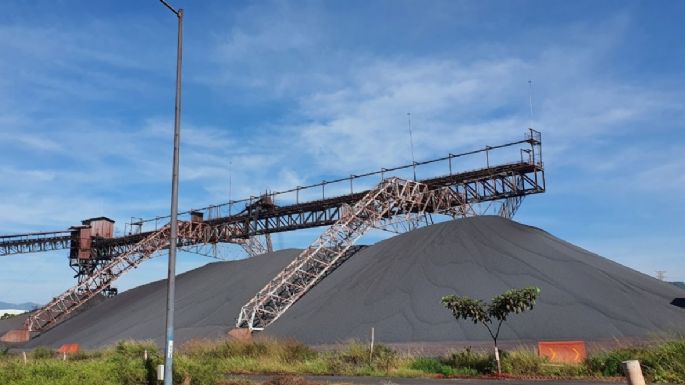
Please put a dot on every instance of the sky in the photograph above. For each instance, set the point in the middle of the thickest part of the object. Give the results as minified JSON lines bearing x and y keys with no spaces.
{"x":278,"y":94}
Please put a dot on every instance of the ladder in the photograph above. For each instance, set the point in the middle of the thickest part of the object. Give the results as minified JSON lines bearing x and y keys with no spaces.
{"x":65,"y":304}
{"x":392,"y":198}
{"x":60,"y":307}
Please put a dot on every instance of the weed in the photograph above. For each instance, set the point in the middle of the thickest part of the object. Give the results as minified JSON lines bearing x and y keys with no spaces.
{"x":189,"y":371}
{"x":207,"y":362}
{"x":42,"y":352}
{"x":470,"y":360}
{"x":431,"y":365}
{"x":662,"y":362}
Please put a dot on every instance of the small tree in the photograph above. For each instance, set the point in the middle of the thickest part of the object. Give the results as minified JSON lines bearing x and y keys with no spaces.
{"x":494,"y":314}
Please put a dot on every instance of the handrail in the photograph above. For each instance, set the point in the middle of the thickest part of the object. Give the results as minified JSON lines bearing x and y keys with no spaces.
{"x":531,"y":137}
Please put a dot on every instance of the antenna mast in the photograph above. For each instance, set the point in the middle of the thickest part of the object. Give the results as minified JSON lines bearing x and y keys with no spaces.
{"x":230,"y":186}
{"x":411,"y":144}
{"x":530,"y":100}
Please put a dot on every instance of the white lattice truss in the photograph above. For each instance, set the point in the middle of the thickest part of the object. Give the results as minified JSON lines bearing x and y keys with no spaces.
{"x":394,"y":198}
{"x":394,"y":203}
{"x":210,"y":250}
{"x":253,"y":246}
{"x":188,"y":233}
{"x":510,"y":206}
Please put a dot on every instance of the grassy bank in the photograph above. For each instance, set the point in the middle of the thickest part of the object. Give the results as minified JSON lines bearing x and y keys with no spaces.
{"x":207,"y":363}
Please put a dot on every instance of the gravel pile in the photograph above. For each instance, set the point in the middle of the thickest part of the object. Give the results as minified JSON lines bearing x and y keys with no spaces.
{"x":395,"y":286}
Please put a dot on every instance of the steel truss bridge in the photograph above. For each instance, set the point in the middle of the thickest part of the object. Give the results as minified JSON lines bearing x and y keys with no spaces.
{"x":391,"y":203}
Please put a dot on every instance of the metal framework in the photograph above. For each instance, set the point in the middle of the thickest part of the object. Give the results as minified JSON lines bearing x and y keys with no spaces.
{"x":483,"y":185}
{"x":253,"y":246}
{"x":394,"y":197}
{"x":101,"y":278}
{"x":396,"y":205}
{"x":65,"y":304}
{"x":510,"y":206}
{"x":34,"y":242}
{"x":262,"y":216}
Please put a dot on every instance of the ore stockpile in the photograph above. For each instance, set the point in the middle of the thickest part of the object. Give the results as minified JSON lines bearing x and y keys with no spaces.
{"x":395,"y":286}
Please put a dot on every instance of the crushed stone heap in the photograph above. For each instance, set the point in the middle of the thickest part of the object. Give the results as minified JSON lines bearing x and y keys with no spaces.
{"x":395,"y":286}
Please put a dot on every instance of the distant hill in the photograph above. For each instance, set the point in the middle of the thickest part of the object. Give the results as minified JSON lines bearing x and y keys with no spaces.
{"x":18,"y":306}
{"x":679,"y":284}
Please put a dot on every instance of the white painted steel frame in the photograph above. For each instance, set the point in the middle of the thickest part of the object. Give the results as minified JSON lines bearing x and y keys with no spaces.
{"x":393,"y":198}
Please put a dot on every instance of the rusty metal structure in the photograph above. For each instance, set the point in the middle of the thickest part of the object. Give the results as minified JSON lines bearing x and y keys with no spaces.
{"x":35,"y":242}
{"x":393,"y":197}
{"x":350,"y":209}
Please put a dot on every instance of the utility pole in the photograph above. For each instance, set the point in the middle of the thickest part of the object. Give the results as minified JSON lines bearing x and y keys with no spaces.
{"x":171,"y":278}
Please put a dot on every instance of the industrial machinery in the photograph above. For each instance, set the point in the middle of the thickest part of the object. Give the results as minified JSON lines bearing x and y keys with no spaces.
{"x":383,"y":199}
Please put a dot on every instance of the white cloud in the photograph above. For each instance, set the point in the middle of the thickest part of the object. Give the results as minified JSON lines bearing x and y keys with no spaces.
{"x":346,"y":113}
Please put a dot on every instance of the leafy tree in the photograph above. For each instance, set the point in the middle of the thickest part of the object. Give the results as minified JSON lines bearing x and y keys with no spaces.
{"x":7,"y":316}
{"x":492,"y":315}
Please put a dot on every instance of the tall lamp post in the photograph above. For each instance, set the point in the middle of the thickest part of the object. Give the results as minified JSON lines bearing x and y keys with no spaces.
{"x":171,"y":279}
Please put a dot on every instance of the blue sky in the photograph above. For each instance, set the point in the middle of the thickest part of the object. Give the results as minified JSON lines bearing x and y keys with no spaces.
{"x":290,"y":93}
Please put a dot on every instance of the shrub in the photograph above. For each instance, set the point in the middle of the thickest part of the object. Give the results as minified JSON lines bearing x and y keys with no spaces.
{"x":284,"y":350}
{"x":356,"y":354}
{"x":42,"y":352}
{"x":384,"y":358}
{"x":522,"y":362}
{"x":663,"y":362}
{"x":206,"y":363}
{"x":356,"y":358}
{"x":609,"y":363}
{"x":7,"y":316}
{"x":293,"y":351}
{"x":193,"y":371}
{"x":666,"y":362}
{"x":431,"y":365}
{"x":470,"y":361}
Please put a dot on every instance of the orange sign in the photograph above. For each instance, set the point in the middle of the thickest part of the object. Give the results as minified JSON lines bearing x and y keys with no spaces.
{"x":68,"y":348}
{"x":568,"y":352}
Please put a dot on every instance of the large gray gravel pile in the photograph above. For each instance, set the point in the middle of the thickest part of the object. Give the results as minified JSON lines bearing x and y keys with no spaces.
{"x":395,"y":286}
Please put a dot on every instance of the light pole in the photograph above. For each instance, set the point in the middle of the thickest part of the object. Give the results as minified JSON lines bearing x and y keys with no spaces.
{"x":171,"y":278}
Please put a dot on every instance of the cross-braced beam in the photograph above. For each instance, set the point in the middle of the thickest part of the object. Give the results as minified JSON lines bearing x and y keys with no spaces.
{"x":393,"y":197}
{"x":34,"y":242}
{"x":101,"y":279}
{"x":253,"y":246}
{"x":72,"y":299}
{"x":395,"y":205}
{"x":510,"y":206}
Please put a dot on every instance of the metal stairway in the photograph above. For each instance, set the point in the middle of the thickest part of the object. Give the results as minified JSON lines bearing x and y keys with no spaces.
{"x":392,"y":198}
{"x":73,"y":298}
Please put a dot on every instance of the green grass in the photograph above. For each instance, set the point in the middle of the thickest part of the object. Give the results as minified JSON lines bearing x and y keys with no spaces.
{"x":208,"y":363}
{"x":663,"y":362}
{"x":291,"y":357}
{"x":121,"y":364}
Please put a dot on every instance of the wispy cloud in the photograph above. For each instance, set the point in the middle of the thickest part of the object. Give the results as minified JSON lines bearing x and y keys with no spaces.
{"x":278,"y":95}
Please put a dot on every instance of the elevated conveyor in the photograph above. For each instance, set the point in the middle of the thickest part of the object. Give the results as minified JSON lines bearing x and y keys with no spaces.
{"x":100,"y":258}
